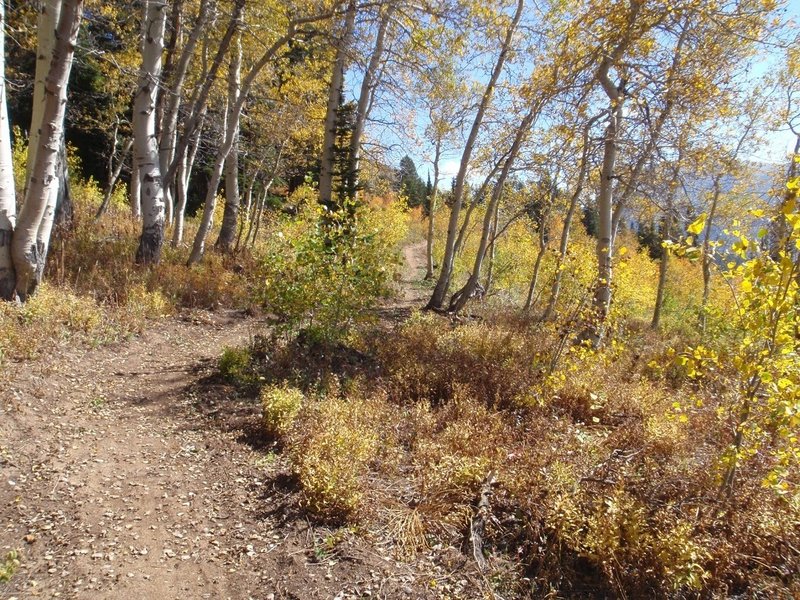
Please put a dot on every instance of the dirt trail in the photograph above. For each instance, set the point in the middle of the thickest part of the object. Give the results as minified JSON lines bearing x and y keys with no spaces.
{"x":414,"y":263}
{"x":129,"y":472}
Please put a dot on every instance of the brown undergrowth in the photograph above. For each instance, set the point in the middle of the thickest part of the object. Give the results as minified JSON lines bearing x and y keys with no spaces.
{"x":94,"y":293}
{"x":604,"y":467}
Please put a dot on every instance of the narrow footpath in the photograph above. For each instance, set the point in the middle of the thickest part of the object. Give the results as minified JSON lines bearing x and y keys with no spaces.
{"x":130,"y":471}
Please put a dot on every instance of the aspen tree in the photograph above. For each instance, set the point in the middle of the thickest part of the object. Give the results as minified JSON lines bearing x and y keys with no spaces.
{"x":233,"y":116}
{"x":8,"y":203}
{"x":369,"y":83}
{"x":144,"y":134}
{"x":173,"y":95}
{"x":34,"y":222}
{"x":345,"y":40}
{"x":437,"y":299}
{"x":231,"y":212}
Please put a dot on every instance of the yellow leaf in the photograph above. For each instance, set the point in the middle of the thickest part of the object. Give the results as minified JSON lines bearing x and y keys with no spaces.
{"x":698,"y":225}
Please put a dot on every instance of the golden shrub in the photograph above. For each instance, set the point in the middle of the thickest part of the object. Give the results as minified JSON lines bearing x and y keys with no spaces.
{"x":280,"y":405}
{"x":330,"y":450}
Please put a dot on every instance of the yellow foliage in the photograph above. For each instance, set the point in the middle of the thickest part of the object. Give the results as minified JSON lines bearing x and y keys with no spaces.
{"x":281,"y":405}
{"x":330,"y":449}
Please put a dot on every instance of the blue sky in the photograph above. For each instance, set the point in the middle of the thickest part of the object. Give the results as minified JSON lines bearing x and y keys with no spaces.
{"x":775,"y":149}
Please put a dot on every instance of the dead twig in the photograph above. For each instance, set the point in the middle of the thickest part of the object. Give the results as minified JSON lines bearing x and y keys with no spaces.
{"x":478,"y":522}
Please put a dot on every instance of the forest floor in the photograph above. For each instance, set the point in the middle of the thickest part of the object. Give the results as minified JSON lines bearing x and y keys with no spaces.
{"x":133,"y":471}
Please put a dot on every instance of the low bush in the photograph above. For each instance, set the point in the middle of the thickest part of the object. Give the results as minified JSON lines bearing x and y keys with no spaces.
{"x":237,"y":366}
{"x":324,"y":282}
{"x":429,"y":359}
{"x":55,"y":315}
{"x":331,"y":448}
{"x":604,"y":480}
{"x":281,"y":405}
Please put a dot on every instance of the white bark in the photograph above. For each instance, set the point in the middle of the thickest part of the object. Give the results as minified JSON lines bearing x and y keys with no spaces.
{"x":135,"y":192}
{"x":198,"y":248}
{"x":537,"y":265}
{"x":663,"y":264}
{"x":180,"y":206}
{"x":602,"y":295}
{"x":671,"y":93}
{"x":257,"y":215}
{"x":199,"y":100}
{"x":334,"y":94}
{"x":231,"y":214}
{"x":460,"y":298}
{"x":446,"y":272}
{"x":184,"y":175}
{"x":144,"y":134}
{"x":259,"y":209}
{"x":29,"y":244}
{"x":47,"y":21}
{"x":432,"y":211}
{"x":246,"y":218}
{"x":169,"y":126}
{"x":707,"y":258}
{"x":549,"y":312}
{"x":368,"y":85}
{"x":207,"y":221}
{"x":8,"y":204}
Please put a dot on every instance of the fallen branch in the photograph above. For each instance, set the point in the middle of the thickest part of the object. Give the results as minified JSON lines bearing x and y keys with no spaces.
{"x":478,"y":523}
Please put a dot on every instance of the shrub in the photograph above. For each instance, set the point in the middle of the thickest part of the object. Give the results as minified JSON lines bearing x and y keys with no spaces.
{"x":330,"y":450}
{"x":429,"y":359}
{"x":236,"y":365}
{"x":56,"y":314}
{"x":281,"y":405}
{"x":324,"y":282}
{"x":9,"y":566}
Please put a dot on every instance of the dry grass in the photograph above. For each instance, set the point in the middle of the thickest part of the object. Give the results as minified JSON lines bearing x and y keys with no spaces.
{"x":94,"y":293}
{"x":607,"y":468}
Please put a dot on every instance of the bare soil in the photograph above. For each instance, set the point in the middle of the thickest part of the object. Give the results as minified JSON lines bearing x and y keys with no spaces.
{"x":133,"y":471}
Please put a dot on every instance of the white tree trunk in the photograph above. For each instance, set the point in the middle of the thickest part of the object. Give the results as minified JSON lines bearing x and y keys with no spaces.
{"x":369,"y":83}
{"x":180,"y":206}
{"x":460,"y":298}
{"x":432,"y":212}
{"x":144,"y":134}
{"x":184,"y":176}
{"x":707,"y":258}
{"x":602,"y":294}
{"x":47,"y":21}
{"x":199,"y":244}
{"x":334,"y":94}
{"x":549,"y":312}
{"x":231,"y":128}
{"x":231,"y":214}
{"x":259,"y":208}
{"x":199,"y":101}
{"x":169,"y":201}
{"x":245,"y":217}
{"x":258,"y":215}
{"x":136,"y":192}
{"x":663,"y":265}
{"x":169,"y":126}
{"x":8,"y":204}
{"x":537,"y":265}
{"x":29,"y":244}
{"x":446,"y":272}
